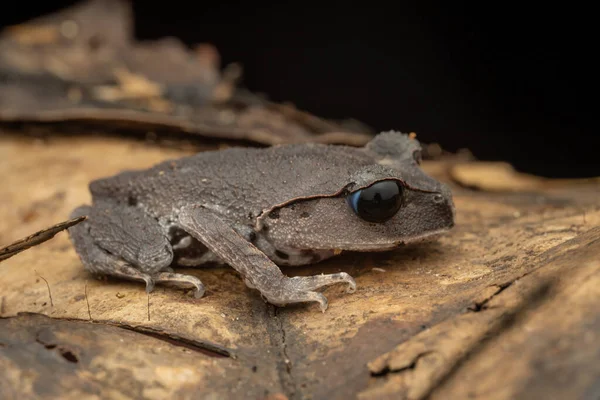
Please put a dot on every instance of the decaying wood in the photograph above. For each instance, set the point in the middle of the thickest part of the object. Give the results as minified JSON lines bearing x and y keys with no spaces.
{"x":554,"y":302}
{"x":503,"y":307}
{"x":37,"y":238}
{"x":83,"y":65}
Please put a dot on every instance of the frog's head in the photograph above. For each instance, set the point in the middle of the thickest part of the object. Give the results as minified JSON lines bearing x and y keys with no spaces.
{"x":386,"y":200}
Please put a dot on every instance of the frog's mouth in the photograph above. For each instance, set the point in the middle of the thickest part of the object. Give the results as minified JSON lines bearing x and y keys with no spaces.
{"x":392,"y":245}
{"x":295,"y":257}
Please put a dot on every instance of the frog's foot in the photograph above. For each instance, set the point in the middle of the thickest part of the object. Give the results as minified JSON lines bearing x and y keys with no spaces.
{"x":121,"y":269}
{"x":300,"y":289}
{"x":181,"y":281}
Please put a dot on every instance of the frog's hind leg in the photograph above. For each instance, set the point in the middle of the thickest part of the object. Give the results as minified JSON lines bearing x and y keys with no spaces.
{"x":125,"y":243}
{"x":99,"y":261}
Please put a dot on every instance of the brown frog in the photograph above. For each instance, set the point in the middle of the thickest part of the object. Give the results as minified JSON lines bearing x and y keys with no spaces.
{"x":255,"y":209}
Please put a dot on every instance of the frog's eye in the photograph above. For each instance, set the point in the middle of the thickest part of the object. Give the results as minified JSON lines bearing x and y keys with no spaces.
{"x":378,"y":202}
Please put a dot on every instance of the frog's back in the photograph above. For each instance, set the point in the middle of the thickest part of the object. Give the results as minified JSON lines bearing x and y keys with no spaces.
{"x":236,"y":180}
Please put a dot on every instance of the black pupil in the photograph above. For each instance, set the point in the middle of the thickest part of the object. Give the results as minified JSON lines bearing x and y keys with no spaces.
{"x":379,"y":202}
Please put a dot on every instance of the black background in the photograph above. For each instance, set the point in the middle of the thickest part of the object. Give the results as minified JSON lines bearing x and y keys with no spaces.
{"x":511,"y":82}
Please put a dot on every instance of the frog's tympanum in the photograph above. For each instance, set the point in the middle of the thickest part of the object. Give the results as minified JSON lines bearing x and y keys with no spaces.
{"x":255,"y":209}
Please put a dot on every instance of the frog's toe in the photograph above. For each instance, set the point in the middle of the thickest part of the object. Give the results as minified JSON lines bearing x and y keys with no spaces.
{"x":181,"y":281}
{"x":318,"y":298}
{"x":300,"y":289}
{"x":348,"y":279}
{"x":286,"y":297}
{"x":149,"y":282}
{"x":318,"y":281}
{"x":322,"y":300}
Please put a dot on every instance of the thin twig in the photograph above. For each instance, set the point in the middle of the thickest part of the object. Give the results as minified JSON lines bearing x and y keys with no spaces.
{"x":87,"y":301}
{"x":37,"y":238}
{"x":148,"y":306}
{"x":48,"y":285}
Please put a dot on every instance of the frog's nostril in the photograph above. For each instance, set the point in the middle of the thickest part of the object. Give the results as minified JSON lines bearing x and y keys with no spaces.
{"x":438,"y":198}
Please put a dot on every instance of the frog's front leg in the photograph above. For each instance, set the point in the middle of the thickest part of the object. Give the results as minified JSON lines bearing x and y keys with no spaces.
{"x":258,"y":271}
{"x":125,"y":243}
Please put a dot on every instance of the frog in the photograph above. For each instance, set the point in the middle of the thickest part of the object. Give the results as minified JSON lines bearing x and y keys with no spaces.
{"x":260,"y":209}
